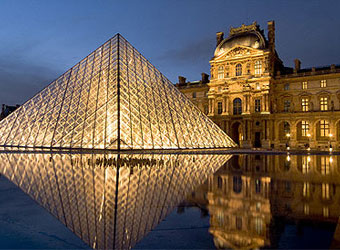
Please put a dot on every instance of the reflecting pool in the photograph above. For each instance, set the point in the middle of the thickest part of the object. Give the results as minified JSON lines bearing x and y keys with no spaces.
{"x":185,"y":200}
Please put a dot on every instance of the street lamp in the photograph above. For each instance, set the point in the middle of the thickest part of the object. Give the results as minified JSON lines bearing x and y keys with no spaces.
{"x":308,"y":135}
{"x":330,"y":143}
{"x":287,"y":144}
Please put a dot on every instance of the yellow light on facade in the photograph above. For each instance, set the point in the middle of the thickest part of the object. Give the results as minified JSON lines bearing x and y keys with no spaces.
{"x":308,"y":135}
{"x":331,"y":159}
{"x":330,"y":135}
{"x":308,"y":158}
{"x":288,"y":135}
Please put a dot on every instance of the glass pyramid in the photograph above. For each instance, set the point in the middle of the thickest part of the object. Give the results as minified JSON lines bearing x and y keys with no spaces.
{"x":110,"y":201}
{"x":113,"y":99}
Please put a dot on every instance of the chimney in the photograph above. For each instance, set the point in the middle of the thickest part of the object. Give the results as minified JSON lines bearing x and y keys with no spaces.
{"x":271,"y":35}
{"x":297,"y":63}
{"x":205,"y":78}
{"x":219,"y":38}
{"x":3,"y":108}
{"x":181,"y":79}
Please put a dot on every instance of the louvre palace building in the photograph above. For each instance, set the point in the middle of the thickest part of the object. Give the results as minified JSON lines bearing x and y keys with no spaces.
{"x":259,"y":102}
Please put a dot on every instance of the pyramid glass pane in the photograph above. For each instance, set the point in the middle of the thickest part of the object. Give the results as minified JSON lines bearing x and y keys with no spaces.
{"x":110,"y":201}
{"x":113,"y":99}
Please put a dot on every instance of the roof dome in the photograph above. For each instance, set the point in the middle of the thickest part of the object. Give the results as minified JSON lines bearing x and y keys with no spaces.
{"x":250,"y":38}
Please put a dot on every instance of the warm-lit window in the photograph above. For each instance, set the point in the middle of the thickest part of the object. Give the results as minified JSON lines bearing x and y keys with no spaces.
{"x":286,"y":86}
{"x":304,"y":128}
{"x":304,"y":103}
{"x":325,"y":191}
{"x":237,"y":106}
{"x":258,"y":68}
{"x":306,"y":189}
{"x":323,"y":103}
{"x":219,"y":108}
{"x":258,"y":225}
{"x":286,"y":106}
{"x":324,"y":165}
{"x":325,"y":211}
{"x":220,"y":73}
{"x":304,"y":85}
{"x":306,"y":209}
{"x":193,"y":94}
{"x":238,"y":69}
{"x":324,"y":128}
{"x":257,"y":105}
{"x":305,"y":164}
{"x":323,"y":83}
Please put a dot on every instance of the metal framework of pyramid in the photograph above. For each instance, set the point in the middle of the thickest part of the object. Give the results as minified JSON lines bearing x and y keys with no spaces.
{"x":110,"y":201}
{"x":113,"y":99}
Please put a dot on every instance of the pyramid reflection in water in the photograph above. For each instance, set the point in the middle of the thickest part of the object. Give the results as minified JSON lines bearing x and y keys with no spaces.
{"x":113,"y":99}
{"x":109,"y":200}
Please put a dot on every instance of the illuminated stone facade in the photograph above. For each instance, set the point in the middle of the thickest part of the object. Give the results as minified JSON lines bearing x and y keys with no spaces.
{"x":251,"y":193}
{"x":258,"y":101}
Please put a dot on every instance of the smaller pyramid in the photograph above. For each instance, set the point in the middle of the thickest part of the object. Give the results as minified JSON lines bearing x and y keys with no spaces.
{"x":112,"y":99}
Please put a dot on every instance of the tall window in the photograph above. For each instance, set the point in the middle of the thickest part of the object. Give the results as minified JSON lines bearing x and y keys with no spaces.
{"x":220,"y":73}
{"x":257,"y":105}
{"x":286,"y":106}
{"x":306,"y":189}
{"x":323,"y":103}
{"x":304,"y":85}
{"x":258,"y":68}
{"x":324,"y":128}
{"x":325,"y":191}
{"x":324,"y":165}
{"x":304,"y":103}
{"x":193,"y":94}
{"x":305,"y":164}
{"x":304,"y":128}
{"x":286,"y":86}
{"x":237,"y":106}
{"x":323,"y":83}
{"x":238,"y":69}
{"x":219,"y":108}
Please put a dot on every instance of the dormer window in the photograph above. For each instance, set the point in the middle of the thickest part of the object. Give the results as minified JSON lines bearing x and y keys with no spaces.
{"x":238,"y":69}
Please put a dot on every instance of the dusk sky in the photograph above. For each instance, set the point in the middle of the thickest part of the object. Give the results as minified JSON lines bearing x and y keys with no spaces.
{"x":39,"y":40}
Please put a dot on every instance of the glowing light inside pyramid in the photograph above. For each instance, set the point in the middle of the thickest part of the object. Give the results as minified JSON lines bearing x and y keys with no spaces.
{"x":105,"y":209}
{"x":113,"y":99}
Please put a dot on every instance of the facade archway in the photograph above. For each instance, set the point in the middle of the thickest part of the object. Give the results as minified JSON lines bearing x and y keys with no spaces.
{"x":236,"y":132}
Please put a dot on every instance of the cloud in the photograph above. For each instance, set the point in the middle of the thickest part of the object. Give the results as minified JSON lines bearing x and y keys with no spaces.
{"x":19,"y":80}
{"x":200,"y":50}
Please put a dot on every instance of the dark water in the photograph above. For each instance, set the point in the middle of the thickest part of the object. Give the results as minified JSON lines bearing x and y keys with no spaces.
{"x":170,"y":201}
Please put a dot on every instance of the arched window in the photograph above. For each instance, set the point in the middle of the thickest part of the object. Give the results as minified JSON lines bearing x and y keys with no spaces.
{"x":219,"y":182}
{"x":237,"y":184}
{"x":238,"y":69}
{"x":237,"y":106}
{"x":220,"y":73}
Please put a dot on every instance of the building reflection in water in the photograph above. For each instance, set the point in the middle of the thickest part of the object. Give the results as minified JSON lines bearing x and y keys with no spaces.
{"x":109,"y":200}
{"x":250,"y":196}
